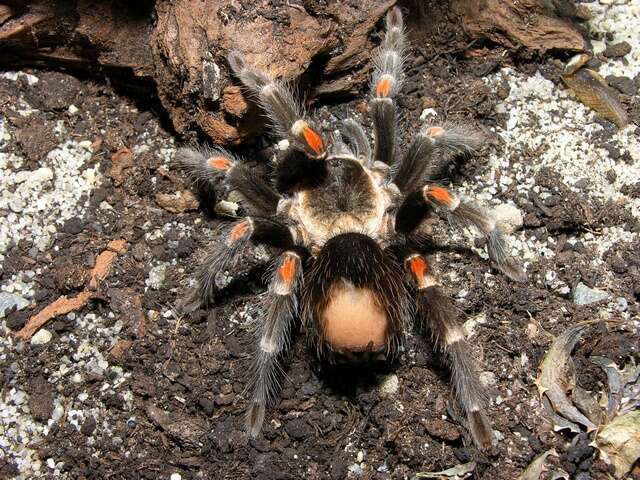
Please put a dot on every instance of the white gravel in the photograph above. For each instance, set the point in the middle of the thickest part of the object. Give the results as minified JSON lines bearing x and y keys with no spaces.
{"x":39,"y":201}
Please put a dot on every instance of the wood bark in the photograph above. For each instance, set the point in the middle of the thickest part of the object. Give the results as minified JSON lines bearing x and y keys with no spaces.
{"x":175,"y":49}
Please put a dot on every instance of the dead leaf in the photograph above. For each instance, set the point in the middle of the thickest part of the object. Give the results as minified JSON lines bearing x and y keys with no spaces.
{"x":614,"y":381}
{"x":120,"y":348}
{"x":587,"y":404}
{"x":461,"y":471}
{"x":186,"y":430}
{"x":537,"y":466}
{"x":553,"y":382}
{"x":594,"y":91}
{"x":619,"y":442}
{"x":559,"y":423}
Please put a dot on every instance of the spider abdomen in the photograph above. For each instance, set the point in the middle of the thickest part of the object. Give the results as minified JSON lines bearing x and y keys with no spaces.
{"x":353,"y":320}
{"x":355,"y":299}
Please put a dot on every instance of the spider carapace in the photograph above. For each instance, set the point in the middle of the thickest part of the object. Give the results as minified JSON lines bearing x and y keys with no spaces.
{"x":345,"y":219}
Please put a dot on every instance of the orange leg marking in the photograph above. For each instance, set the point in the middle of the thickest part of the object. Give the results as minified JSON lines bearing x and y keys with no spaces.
{"x":238,"y":231}
{"x":440,"y":195}
{"x":313,"y":139}
{"x":435,"y":132}
{"x":419,"y":267}
{"x":219,"y":163}
{"x":287,"y":270}
{"x":383,"y":88}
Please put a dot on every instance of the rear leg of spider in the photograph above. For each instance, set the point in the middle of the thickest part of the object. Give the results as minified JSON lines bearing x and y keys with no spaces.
{"x":279,"y":310}
{"x":436,"y":313}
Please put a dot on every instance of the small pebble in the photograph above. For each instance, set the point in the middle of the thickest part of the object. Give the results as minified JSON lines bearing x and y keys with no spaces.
{"x":616,"y":50}
{"x":157,"y":276}
{"x":583,"y":295}
{"x":487,"y":379}
{"x":41,"y":337}
{"x":11,"y":301}
{"x":622,"y":304}
{"x":508,"y":217}
{"x":389,"y":384}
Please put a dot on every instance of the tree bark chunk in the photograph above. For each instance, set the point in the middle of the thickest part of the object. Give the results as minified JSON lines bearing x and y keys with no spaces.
{"x":532,"y":24}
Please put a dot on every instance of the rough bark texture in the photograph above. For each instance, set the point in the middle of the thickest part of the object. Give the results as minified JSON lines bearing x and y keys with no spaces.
{"x":532,"y":24}
{"x":175,"y":50}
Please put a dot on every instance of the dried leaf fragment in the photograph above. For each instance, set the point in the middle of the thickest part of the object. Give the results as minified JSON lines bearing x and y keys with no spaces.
{"x":553,"y":382}
{"x":120,"y":161}
{"x":177,"y":202}
{"x":619,"y":442}
{"x":594,"y":91}
{"x":537,"y":466}
{"x":461,"y":471}
{"x":188,"y":431}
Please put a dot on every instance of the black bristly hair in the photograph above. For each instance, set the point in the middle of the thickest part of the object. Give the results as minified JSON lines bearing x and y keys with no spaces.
{"x":295,"y":172}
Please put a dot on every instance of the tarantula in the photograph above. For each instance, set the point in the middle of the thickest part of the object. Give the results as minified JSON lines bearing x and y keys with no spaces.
{"x":346,"y":221}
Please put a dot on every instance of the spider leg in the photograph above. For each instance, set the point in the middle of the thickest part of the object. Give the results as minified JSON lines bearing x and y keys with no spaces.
{"x":417,"y":165}
{"x":385,"y":84}
{"x":357,"y":139}
{"x":436,"y":312}
{"x":204,"y":165}
{"x":283,"y":109}
{"x":280,"y":308}
{"x":226,"y":254}
{"x":418,"y":205}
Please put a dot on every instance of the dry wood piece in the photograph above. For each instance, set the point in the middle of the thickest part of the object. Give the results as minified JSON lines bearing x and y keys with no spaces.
{"x":65,"y":305}
{"x":176,"y":50}
{"x":105,"y":260}
{"x":61,"y":306}
{"x":533,"y":24}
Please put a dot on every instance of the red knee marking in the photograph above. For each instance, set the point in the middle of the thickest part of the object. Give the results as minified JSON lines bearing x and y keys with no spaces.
{"x":418,"y":266}
{"x":435,"y":132}
{"x":313,"y":139}
{"x":238,"y":231}
{"x":383,"y":88}
{"x":219,"y":163}
{"x":440,"y":195}
{"x":287,"y":270}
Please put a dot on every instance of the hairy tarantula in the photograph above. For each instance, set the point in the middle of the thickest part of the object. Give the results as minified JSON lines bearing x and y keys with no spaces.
{"x":346,"y":221}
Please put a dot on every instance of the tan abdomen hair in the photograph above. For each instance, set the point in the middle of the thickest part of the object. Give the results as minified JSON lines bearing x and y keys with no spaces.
{"x":353,"y":320}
